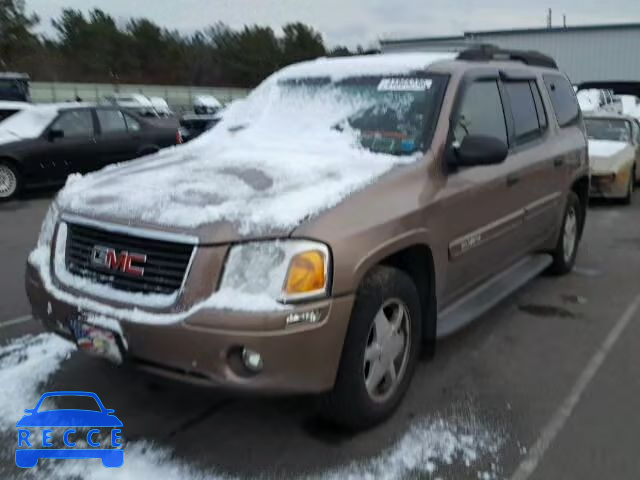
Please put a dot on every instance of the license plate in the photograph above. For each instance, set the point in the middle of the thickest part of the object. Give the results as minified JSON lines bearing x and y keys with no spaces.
{"x":97,"y":341}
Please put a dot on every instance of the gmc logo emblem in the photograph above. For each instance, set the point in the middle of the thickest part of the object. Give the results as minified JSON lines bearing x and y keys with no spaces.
{"x":129,"y":263}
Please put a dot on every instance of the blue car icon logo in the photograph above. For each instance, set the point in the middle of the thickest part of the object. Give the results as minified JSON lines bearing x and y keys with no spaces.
{"x":27,"y":457}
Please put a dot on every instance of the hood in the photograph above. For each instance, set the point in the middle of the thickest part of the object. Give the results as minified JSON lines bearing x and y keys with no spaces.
{"x":222,"y":194}
{"x":608,"y":156}
{"x":276,"y":160}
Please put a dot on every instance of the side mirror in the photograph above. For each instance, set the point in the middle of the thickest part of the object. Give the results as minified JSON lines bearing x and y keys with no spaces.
{"x":478,"y":150}
{"x":55,"y":134}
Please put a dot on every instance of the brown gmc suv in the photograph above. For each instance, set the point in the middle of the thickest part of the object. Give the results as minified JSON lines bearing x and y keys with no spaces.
{"x":340,"y":219}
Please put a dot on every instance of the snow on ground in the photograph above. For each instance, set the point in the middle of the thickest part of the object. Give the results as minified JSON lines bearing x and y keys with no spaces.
{"x":25,"y":365}
{"x":28,"y":362}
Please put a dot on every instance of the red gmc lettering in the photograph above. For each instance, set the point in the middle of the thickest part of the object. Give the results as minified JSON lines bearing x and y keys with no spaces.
{"x":124,"y":262}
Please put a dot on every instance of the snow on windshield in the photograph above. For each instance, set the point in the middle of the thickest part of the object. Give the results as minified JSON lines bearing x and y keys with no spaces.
{"x":29,"y":123}
{"x":290,"y":150}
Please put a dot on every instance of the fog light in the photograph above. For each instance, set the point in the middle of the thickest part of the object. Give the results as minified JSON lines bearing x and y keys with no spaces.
{"x":252,"y":360}
{"x":304,"y":317}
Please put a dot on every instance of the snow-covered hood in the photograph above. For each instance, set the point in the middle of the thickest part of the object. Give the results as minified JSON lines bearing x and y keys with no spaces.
{"x":608,"y":155}
{"x":27,"y":124}
{"x":275,"y":160}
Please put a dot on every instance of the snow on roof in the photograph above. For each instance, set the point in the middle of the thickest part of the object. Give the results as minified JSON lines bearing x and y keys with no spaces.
{"x":207,"y":101}
{"x":10,"y":105}
{"x":365,"y":65}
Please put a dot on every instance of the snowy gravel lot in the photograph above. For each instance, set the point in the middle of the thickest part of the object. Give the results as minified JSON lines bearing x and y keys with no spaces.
{"x":538,"y":388}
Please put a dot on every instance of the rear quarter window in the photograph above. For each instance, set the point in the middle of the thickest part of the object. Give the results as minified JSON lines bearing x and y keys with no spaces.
{"x":563,"y":99}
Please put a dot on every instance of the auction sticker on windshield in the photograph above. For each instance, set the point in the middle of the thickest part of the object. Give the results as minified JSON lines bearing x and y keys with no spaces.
{"x":404,"y":84}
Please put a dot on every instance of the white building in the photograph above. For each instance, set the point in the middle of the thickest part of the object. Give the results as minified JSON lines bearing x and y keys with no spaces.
{"x":585,"y":53}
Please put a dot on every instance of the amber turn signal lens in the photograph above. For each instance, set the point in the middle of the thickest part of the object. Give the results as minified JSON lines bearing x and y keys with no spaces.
{"x":306,"y":273}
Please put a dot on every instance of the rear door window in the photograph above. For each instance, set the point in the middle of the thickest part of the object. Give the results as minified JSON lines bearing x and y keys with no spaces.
{"x":481,"y":113}
{"x":523,"y":108}
{"x":132,"y":124}
{"x":563,"y":99}
{"x":111,"y":121}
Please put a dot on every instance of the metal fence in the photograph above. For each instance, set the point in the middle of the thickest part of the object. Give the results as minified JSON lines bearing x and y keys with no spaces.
{"x":178,"y":97}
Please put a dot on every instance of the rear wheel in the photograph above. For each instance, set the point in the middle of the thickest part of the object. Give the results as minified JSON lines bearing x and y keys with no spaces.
{"x":564,"y":255}
{"x":380,"y":351}
{"x":9,"y":181}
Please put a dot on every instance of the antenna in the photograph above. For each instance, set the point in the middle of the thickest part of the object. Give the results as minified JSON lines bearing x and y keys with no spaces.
{"x":564,"y":20}
{"x":550,"y":18}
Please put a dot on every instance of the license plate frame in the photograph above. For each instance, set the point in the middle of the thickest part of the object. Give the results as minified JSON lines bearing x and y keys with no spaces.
{"x":97,"y":341}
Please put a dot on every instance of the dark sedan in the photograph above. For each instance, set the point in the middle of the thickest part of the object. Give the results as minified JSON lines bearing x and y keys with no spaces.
{"x":42,"y":146}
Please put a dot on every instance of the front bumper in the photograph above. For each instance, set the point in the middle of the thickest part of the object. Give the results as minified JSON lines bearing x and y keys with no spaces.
{"x":610,"y":184}
{"x":296,"y":359}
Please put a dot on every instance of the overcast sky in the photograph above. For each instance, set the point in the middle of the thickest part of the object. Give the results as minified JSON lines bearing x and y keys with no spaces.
{"x":353,"y":22}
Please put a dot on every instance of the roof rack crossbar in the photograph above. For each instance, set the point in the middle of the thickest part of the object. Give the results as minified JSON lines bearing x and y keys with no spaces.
{"x":491,"y":52}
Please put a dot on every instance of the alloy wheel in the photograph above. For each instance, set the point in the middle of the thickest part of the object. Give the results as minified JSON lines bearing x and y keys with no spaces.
{"x":8,"y":182}
{"x":570,"y":234}
{"x":387,"y":352}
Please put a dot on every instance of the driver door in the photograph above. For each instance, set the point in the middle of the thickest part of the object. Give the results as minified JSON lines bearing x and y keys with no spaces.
{"x":482,"y":206}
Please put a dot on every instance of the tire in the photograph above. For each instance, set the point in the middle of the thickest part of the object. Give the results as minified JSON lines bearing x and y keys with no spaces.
{"x":564,"y":255}
{"x":632,"y":181}
{"x":382,"y":295}
{"x":10,"y":181}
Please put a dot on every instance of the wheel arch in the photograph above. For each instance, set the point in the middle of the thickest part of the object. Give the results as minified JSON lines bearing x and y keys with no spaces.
{"x":417,"y":261}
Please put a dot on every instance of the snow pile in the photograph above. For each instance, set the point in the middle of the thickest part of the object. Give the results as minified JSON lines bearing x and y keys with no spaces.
{"x":25,"y":365}
{"x":605,"y":148}
{"x":274,"y":160}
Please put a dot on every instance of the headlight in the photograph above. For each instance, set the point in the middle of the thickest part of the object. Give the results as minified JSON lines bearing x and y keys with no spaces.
{"x":285,"y":270}
{"x":48,"y":226}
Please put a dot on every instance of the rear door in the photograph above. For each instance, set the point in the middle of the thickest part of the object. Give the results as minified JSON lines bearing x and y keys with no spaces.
{"x":117,"y":143}
{"x":482,"y":207}
{"x":538,"y":179}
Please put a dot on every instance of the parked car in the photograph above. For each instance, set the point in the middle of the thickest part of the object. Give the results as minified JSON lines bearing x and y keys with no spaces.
{"x":161,"y":107}
{"x":136,"y":103}
{"x":599,"y":100}
{"x":317,"y":241}
{"x":43,"y":145}
{"x":614,"y":152}
{"x":206,"y":105}
{"x":193,"y":125}
{"x":14,"y":87}
{"x":8,"y":108}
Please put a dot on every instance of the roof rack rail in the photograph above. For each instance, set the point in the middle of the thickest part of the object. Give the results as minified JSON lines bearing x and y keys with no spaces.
{"x":491,"y":52}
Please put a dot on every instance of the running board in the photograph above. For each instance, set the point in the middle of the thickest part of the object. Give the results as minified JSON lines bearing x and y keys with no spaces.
{"x":490,"y":293}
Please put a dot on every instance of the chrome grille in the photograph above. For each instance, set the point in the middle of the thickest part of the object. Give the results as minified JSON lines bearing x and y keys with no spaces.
{"x":164,"y":270}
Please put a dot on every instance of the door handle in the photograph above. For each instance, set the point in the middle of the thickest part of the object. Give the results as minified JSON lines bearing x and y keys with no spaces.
{"x":558,"y":162}
{"x":512,"y":180}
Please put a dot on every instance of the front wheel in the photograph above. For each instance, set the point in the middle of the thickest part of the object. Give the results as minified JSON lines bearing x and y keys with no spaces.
{"x":380,"y":351}
{"x":564,"y":255}
{"x":9,"y":181}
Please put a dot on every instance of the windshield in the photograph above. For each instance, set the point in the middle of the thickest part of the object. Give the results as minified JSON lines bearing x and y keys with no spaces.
{"x":608,"y":129}
{"x":391,"y":115}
